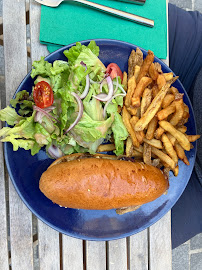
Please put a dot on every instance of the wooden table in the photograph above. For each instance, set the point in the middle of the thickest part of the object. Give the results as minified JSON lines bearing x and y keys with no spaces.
{"x":24,"y":247}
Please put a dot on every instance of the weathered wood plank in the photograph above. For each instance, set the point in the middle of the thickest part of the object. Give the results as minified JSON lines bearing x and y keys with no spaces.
{"x":48,"y":239}
{"x":14,"y":27}
{"x":72,"y":253}
{"x":3,"y":222}
{"x":95,"y":255}
{"x":139,"y":251}
{"x":160,"y":244}
{"x":49,"y":251}
{"x":117,"y":257}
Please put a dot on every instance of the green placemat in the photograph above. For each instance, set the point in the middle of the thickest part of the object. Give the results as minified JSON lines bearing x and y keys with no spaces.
{"x":71,"y":22}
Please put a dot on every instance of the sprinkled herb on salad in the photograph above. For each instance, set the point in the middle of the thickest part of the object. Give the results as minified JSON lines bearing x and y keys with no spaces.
{"x":73,"y":106}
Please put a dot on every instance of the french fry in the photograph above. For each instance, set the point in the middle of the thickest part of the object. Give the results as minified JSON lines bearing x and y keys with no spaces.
{"x":131,"y":64}
{"x":174,"y":90}
{"x":139,"y":134}
{"x":147,"y":153}
{"x":106,"y":147}
{"x":139,"y":149}
{"x":142,"y":84}
{"x":181,"y":138}
{"x":153,"y":107}
{"x":154,"y":143}
{"x":126,"y":120}
{"x":164,"y":158}
{"x":167,"y":100}
{"x":146,"y":64}
{"x":129,"y":147}
{"x":179,"y":150}
{"x":124,"y":210}
{"x":138,"y":57}
{"x":158,"y":133}
{"x":193,"y":138}
{"x":125,"y":81}
{"x":155,"y":90}
{"x":168,"y":76}
{"x":158,"y":67}
{"x":132,"y":110}
{"x":169,"y":148}
{"x":171,"y":138}
{"x":130,"y":92}
{"x":166,"y":112}
{"x":179,"y":96}
{"x":161,"y":81}
{"x":179,"y":111}
{"x":153,"y":73}
{"x":137,"y":71}
{"x":151,"y":128}
{"x":182,"y":129}
{"x":136,"y":154}
{"x":176,"y":171}
{"x":156,"y":162}
{"x":146,"y":100}
{"x":186,"y":161}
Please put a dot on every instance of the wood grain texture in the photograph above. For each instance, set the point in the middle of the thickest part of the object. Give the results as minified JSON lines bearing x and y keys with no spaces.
{"x":15,"y":52}
{"x":160,"y":253}
{"x":49,"y":250}
{"x":139,"y":251}
{"x":117,"y":257}
{"x":3,"y":221}
{"x":95,"y":255}
{"x":72,"y":253}
{"x":48,"y":239}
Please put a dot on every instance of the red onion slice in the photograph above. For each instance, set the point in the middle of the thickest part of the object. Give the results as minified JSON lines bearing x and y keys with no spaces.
{"x":54,"y":151}
{"x":36,"y":108}
{"x":107,"y":103}
{"x":110,"y":93}
{"x":120,"y":87}
{"x":80,"y":113}
{"x":85,"y":92}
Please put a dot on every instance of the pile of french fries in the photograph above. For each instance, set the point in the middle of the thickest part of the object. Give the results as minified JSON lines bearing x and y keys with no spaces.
{"x":154,"y":114}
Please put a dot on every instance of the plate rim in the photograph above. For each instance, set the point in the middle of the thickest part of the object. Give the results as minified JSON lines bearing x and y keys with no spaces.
{"x":133,"y":231}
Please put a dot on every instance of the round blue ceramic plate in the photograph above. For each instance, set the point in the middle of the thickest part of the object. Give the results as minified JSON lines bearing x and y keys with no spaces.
{"x":25,"y":171}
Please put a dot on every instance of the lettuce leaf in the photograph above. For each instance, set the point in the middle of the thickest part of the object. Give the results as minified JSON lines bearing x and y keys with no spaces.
{"x":10,"y":116}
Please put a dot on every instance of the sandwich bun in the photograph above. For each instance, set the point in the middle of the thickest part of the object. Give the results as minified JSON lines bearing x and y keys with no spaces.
{"x":101,"y":182}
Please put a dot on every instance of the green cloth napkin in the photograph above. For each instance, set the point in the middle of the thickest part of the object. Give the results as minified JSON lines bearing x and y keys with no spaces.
{"x":71,"y":22}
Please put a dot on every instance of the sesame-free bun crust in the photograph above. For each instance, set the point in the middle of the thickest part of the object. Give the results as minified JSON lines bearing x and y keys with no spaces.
{"x":100,"y":183}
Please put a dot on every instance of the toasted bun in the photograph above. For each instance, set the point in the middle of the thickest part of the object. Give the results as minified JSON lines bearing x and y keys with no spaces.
{"x":98,"y":182}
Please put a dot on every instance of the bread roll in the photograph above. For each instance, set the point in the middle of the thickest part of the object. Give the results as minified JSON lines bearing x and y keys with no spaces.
{"x":97,"y":182}
{"x":101,"y":183}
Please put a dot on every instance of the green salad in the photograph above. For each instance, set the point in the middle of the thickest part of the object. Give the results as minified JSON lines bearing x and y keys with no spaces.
{"x":73,"y":106}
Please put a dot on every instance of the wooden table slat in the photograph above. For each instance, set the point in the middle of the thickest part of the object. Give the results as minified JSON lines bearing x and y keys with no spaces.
{"x":139,"y":251}
{"x":15,"y":54}
{"x":49,"y":247}
{"x":48,"y":238}
{"x":96,"y":255}
{"x":160,"y":244}
{"x":3,"y":221}
{"x":117,"y":257}
{"x":72,"y":253}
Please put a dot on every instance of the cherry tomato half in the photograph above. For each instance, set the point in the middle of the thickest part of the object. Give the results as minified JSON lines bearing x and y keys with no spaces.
{"x":114,"y":71}
{"x":43,"y":94}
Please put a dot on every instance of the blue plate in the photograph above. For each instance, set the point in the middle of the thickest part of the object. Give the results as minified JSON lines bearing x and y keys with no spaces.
{"x":25,"y":171}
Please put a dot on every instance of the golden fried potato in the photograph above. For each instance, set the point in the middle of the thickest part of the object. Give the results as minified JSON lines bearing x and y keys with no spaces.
{"x":164,"y":158}
{"x":143,"y":83}
{"x":130,"y":91}
{"x":169,"y":148}
{"x":153,"y":107}
{"x":146,"y":65}
{"x":153,"y":73}
{"x":146,"y":100}
{"x":151,"y":128}
{"x":179,"y":111}
{"x":181,"y":138}
{"x":147,"y":153}
{"x":126,"y":120}
{"x":168,"y":99}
